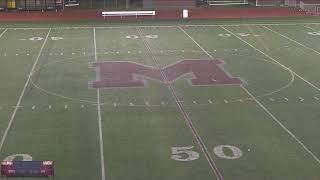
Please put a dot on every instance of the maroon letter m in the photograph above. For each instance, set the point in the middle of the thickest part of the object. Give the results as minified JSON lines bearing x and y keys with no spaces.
{"x":129,"y":74}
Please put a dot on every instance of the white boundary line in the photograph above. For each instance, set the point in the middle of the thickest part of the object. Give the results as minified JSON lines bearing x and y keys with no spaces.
{"x":271,"y":58}
{"x":164,"y":26}
{"x":265,"y":109}
{"x":283,"y":126}
{"x":257,"y":101}
{"x":103,"y":175}
{"x":22,"y":93}
{"x":292,"y":40}
{"x":3,"y":33}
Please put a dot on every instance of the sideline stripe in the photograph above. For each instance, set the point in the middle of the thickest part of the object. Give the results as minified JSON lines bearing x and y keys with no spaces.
{"x":186,"y":116}
{"x":264,"y":108}
{"x":285,"y":67}
{"x":22,"y":93}
{"x":259,"y":103}
{"x":292,"y":40}
{"x":103,"y":175}
{"x":3,"y":33}
{"x":169,"y":26}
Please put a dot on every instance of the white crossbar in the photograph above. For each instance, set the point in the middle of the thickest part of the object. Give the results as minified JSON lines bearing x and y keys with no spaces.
{"x":128,"y":13}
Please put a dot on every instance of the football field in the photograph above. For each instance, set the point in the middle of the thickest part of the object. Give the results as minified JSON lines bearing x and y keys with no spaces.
{"x":163,"y":102}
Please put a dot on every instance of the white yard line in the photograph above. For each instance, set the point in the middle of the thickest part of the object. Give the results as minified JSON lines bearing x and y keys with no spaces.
{"x":264,"y":108}
{"x":283,"y":126}
{"x":185,"y":115}
{"x":271,"y":58}
{"x":167,"y":26}
{"x":103,"y":174}
{"x":3,"y":33}
{"x":22,"y":93}
{"x":260,"y":104}
{"x":313,"y":29}
{"x":292,"y":40}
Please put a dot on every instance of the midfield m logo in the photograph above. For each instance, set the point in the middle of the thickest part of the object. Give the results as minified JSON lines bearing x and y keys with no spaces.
{"x":124,"y":74}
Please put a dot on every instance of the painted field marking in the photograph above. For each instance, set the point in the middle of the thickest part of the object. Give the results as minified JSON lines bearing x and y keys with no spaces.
{"x":313,"y":29}
{"x":292,"y":40}
{"x":3,"y":33}
{"x":254,"y":98}
{"x":22,"y":93}
{"x":265,"y":109}
{"x":301,"y":99}
{"x":283,"y":126}
{"x":103,"y":176}
{"x":271,"y":58}
{"x":164,"y":26}
{"x":183,"y":112}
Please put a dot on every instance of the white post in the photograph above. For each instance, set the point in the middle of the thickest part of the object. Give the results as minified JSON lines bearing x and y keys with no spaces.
{"x":185,"y":13}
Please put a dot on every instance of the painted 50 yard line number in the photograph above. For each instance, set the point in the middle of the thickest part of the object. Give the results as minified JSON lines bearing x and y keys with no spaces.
{"x":187,"y":154}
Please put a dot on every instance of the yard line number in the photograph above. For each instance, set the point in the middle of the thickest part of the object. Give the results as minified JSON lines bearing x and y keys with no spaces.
{"x":222,"y":151}
{"x":314,"y":33}
{"x":41,"y":38}
{"x":151,"y":36}
{"x":178,"y":153}
{"x":239,"y":34}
